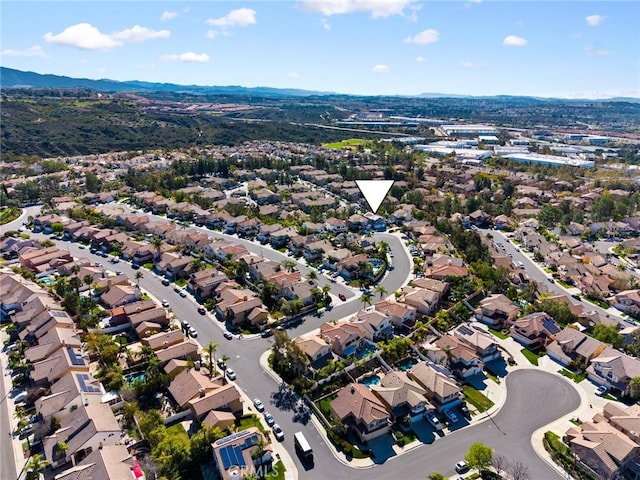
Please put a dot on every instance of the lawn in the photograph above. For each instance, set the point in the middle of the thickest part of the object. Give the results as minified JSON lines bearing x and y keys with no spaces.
{"x":324,"y":406}
{"x":277,"y":473}
{"x":576,"y":377}
{"x":531,"y":356}
{"x":492,"y":376}
{"x":178,"y":431}
{"x":248,"y":421}
{"x":477,"y":399}
{"x":345,"y":143}
{"x":501,"y":334}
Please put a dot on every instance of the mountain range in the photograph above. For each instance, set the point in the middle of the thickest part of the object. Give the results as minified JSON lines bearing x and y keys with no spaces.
{"x":12,"y":78}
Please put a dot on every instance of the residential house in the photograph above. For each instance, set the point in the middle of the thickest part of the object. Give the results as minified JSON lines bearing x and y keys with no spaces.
{"x":442,"y":272}
{"x":120,"y":315}
{"x":108,"y":462}
{"x":402,"y":396}
{"x":67,"y":394}
{"x":534,"y":331}
{"x":51,"y":369}
{"x":458,"y":356}
{"x":173,"y":265}
{"x":281,"y":238}
{"x":51,"y":341}
{"x":302,"y":291}
{"x":355,"y":267}
{"x":345,"y":338}
{"x":424,"y":301}
{"x":376,"y":326}
{"x":628,"y":301}
{"x":614,"y":370}
{"x":179,"y":351}
{"x":606,"y":450}
{"x":361,"y":411}
{"x":43,"y":322}
{"x":163,"y":340}
{"x":442,"y":390}
{"x":335,"y":225}
{"x":485,"y":346}
{"x":235,"y":456}
{"x":497,"y":311}
{"x":441,"y":288}
{"x":43,"y":260}
{"x":202,"y":284}
{"x":400,"y":314}
{"x":237,"y":306}
{"x":121,"y":295}
{"x":573,"y":348}
{"x":84,"y":431}
{"x":315,"y":348}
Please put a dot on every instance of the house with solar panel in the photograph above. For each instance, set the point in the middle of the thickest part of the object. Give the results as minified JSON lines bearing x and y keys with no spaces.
{"x":53,"y":368}
{"x":242,"y":454}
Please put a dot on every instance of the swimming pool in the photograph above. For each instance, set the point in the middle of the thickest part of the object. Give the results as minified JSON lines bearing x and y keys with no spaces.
{"x":370,"y":380}
{"x":406,"y":364}
{"x":136,"y":377}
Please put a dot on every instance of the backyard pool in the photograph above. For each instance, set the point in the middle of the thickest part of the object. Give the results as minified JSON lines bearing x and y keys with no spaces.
{"x":370,"y":380}
{"x":365,"y":351}
{"x":406,"y":364}
{"x":48,"y":281}
{"x":135,"y":377}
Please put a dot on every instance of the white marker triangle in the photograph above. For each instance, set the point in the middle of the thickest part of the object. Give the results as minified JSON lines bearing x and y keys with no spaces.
{"x":374,"y":191}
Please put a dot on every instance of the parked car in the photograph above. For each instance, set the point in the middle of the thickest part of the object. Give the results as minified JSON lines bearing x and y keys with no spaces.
{"x":462,"y":466}
{"x":165,"y":303}
{"x":166,"y":282}
{"x":231,"y":375}
{"x":342,"y":297}
{"x":601,"y":391}
{"x":278,"y":432}
{"x":193,"y":332}
{"x":222,"y":365}
{"x":135,"y":266}
{"x":258,"y":404}
{"x":451,"y":415}
{"x":266,"y":333}
{"x":182,"y":293}
{"x":20,"y":397}
{"x":433,"y":420}
{"x":227,"y":335}
{"x":177,"y":289}
{"x":552,"y":280}
{"x":576,"y":296}
{"x":269,"y":419}
{"x":186,"y":325}
{"x":202,"y":310}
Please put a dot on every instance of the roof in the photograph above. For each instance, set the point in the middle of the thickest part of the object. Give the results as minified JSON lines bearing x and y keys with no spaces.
{"x":164,"y":339}
{"x":188,"y":384}
{"x":434,"y":381}
{"x":396,"y":388}
{"x":358,"y":401}
{"x":218,"y":399}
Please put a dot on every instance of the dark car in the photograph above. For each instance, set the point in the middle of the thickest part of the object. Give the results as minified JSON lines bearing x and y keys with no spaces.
{"x":166,"y":282}
{"x":342,"y":297}
{"x":266,"y":333}
{"x":202,"y":310}
{"x":135,"y":266}
{"x":227,"y":335}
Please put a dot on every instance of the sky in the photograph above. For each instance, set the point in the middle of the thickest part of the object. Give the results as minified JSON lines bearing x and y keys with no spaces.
{"x":548,"y":48}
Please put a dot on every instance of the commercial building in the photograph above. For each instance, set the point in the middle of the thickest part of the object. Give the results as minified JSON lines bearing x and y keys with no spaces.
{"x":550,"y":160}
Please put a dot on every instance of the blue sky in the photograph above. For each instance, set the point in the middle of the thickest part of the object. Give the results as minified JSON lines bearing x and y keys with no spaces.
{"x":370,"y":47}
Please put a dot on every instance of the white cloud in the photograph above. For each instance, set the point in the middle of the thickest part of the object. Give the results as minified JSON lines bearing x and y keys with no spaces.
{"x":88,"y":37}
{"x":325,"y":24}
{"x":597,"y":52}
{"x":138,"y":34}
{"x":594,"y":20}
{"x":35,"y":51}
{"x":83,"y":35}
{"x":514,"y":41}
{"x":187,"y":57}
{"x":473,"y":64}
{"x":242,"y":17}
{"x":293,"y":74}
{"x":421,"y":59}
{"x":380,"y":69}
{"x":426,"y":36}
{"x":168,"y":15}
{"x":377,"y":8}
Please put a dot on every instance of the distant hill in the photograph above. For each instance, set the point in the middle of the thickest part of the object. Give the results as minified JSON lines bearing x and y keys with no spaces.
{"x":11,"y":78}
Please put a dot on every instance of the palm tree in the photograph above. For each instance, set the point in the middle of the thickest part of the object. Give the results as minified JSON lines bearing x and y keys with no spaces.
{"x":380,"y":290}
{"x":326,"y":288}
{"x":366,"y":299}
{"x":88,"y":280}
{"x":139,"y":275}
{"x":383,"y":247}
{"x":289,"y":265}
{"x":197,"y":264}
{"x":74,"y":282}
{"x":36,"y":464}
{"x":211,"y":356}
{"x":157,"y":243}
{"x":312,"y":275}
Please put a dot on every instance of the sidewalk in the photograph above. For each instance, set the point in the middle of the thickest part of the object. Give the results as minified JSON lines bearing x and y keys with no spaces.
{"x":16,"y":443}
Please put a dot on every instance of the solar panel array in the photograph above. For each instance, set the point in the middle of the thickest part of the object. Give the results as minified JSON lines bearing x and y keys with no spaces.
{"x":231,"y":455}
{"x":58,"y":313}
{"x":86,"y":383}
{"x":75,"y":356}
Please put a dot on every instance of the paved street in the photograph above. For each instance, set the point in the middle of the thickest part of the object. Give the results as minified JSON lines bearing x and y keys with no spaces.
{"x":7,"y":457}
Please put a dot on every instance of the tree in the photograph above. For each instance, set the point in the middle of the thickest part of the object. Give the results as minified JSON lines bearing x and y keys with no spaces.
{"x":139,"y":275}
{"x":36,"y":464}
{"x":634,"y":388}
{"x":312,"y":275}
{"x":519,"y":471}
{"x":380,"y":290}
{"x":366,"y":299}
{"x":608,"y":334}
{"x":479,"y":456}
{"x":437,"y":476}
{"x":289,"y":265}
{"x":157,"y":243}
{"x":201,"y":443}
{"x":211,"y":356}
{"x":500,"y":463}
